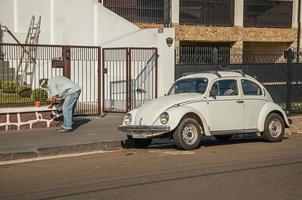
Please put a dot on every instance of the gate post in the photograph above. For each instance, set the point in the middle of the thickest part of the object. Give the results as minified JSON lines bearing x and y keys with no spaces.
{"x":100,"y":79}
{"x":289,"y":55}
{"x":128,"y":80}
{"x":66,"y":61}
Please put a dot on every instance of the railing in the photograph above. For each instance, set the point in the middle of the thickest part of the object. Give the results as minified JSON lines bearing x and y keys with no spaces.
{"x":205,"y":12}
{"x":271,"y":14}
{"x":138,"y":10}
{"x":80,"y":64}
{"x":223,"y":55}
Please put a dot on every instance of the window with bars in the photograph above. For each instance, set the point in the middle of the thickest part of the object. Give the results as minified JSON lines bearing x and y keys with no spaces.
{"x":204,"y":53}
{"x":268,"y":13}
{"x":140,"y":11}
{"x":207,"y":12}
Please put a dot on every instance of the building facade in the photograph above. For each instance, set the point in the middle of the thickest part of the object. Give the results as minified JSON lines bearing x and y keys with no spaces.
{"x":233,"y":27}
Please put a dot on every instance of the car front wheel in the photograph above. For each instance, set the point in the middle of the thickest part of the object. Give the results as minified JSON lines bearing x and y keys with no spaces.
{"x":188,"y":134}
{"x":273,"y":128}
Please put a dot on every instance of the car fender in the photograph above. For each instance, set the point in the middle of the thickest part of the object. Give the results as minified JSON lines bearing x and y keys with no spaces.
{"x":176,"y":114}
{"x":266,"y":110}
{"x":132,"y":112}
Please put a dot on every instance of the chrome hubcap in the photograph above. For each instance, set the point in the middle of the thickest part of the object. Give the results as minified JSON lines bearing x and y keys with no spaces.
{"x":275,"y":128}
{"x":190,"y":134}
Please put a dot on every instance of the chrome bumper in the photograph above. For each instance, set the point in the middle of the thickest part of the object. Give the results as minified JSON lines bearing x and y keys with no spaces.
{"x":143,"y":131}
{"x":143,"y":128}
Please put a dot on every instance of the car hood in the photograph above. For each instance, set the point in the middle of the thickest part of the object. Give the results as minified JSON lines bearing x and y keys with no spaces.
{"x":150,"y":111}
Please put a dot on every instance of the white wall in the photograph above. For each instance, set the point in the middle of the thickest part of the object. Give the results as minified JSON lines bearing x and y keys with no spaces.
{"x":80,"y":22}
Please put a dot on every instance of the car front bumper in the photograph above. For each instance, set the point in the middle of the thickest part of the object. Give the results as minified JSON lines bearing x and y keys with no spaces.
{"x":144,"y":131}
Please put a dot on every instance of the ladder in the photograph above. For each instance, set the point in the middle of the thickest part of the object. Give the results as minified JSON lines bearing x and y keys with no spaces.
{"x":27,"y":63}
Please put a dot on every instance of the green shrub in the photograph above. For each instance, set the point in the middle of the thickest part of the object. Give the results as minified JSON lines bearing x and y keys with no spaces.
{"x":40,"y":95}
{"x":9,"y":86}
{"x":24,"y":91}
{"x":1,"y":82}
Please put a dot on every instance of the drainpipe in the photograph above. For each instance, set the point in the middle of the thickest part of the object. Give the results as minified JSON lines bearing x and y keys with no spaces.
{"x":167,"y":13}
{"x":299,"y":30}
{"x":1,"y":40}
{"x":1,"y":34}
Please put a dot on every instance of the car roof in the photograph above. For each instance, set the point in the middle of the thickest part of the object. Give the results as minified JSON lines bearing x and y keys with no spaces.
{"x":216,"y":74}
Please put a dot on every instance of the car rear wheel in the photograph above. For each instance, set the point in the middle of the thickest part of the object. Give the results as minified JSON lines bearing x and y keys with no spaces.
{"x":188,"y":134}
{"x":223,"y":137}
{"x":273,"y":128}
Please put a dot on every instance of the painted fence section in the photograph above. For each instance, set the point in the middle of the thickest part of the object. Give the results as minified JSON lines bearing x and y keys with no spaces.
{"x":129,"y":78}
{"x":81,"y":64}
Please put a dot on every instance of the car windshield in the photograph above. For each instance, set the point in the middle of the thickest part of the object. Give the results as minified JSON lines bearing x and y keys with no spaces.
{"x":196,"y":85}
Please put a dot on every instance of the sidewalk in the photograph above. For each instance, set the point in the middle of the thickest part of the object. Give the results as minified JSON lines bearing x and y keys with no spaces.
{"x":92,"y":134}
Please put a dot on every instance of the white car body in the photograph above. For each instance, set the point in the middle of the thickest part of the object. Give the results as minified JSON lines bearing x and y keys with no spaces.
{"x":215,"y":114}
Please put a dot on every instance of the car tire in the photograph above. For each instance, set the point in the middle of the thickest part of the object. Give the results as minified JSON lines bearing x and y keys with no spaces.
{"x":274,"y":128}
{"x":187,"y":135}
{"x":223,"y":137}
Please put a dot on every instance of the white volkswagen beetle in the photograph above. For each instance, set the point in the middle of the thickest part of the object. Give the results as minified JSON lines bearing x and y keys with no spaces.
{"x":218,"y":104}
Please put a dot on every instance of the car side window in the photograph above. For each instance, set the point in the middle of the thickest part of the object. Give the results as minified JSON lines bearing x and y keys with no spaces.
{"x":250,"y":88}
{"x":224,"y":88}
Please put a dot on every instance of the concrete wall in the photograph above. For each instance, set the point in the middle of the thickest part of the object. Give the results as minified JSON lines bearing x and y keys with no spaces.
{"x":81,"y":22}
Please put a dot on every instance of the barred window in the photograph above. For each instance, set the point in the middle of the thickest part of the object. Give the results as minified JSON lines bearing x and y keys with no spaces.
{"x":150,"y":11}
{"x":269,"y":13}
{"x":207,"y":12}
{"x":204,"y":53}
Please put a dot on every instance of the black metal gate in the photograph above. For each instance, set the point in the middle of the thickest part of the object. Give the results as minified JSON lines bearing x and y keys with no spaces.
{"x":283,"y":80}
{"x":129,"y":78}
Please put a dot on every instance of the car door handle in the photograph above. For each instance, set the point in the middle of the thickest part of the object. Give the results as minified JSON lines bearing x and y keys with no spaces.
{"x":239,"y":101}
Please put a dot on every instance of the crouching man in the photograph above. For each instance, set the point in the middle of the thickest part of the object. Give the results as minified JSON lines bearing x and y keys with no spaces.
{"x":62,"y":88}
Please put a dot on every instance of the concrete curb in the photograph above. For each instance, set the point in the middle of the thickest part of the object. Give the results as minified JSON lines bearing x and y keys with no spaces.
{"x":60,"y":150}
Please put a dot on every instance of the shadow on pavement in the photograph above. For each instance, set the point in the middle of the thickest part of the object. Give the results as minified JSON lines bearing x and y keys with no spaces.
{"x":205,"y":141}
{"x":78,"y":122}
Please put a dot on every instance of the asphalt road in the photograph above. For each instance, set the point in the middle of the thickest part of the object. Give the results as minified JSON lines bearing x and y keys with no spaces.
{"x":241,"y":169}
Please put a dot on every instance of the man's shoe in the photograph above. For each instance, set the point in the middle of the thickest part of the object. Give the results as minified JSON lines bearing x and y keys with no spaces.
{"x":63,"y":130}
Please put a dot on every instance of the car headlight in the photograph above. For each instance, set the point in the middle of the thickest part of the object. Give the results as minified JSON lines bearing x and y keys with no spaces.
{"x":164,"y":118}
{"x":127,"y":118}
